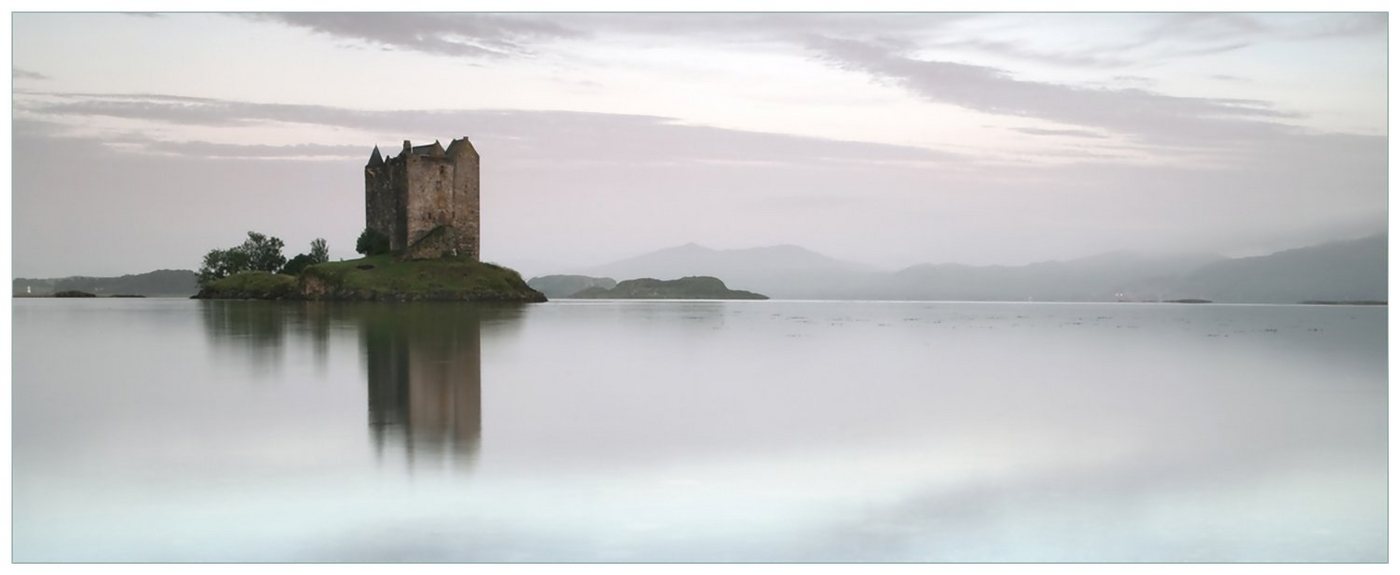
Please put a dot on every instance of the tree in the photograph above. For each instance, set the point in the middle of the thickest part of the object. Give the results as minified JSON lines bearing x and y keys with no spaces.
{"x":320,"y":253}
{"x":219,"y":264}
{"x":372,"y":243}
{"x":264,"y":252}
{"x":297,"y":264}
{"x":257,"y":253}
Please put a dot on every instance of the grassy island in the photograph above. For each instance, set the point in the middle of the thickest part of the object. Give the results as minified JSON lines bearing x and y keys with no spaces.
{"x":381,"y":278}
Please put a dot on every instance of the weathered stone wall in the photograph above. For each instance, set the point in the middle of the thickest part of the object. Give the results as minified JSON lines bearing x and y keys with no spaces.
{"x":398,"y":186}
{"x":440,"y":241}
{"x":381,"y":205}
{"x":466,"y":197}
{"x":429,"y":195}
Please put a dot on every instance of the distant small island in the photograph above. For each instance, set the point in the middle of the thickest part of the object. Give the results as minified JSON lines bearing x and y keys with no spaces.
{"x":1187,"y":300}
{"x":695,"y":287}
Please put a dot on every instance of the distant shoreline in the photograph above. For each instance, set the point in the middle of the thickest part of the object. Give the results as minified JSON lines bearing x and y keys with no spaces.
{"x":1362,"y":303}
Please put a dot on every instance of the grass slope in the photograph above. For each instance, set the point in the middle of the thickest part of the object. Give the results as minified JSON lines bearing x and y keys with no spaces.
{"x":383,"y":278}
{"x":251,"y":285}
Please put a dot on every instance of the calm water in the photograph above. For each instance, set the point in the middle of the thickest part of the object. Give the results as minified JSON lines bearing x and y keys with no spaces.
{"x":176,"y":430}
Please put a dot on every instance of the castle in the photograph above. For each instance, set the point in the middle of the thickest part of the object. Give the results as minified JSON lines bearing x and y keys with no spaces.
{"x":426,"y":200}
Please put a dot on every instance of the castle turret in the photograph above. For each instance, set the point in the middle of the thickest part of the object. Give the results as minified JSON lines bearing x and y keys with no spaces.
{"x":382,"y":209}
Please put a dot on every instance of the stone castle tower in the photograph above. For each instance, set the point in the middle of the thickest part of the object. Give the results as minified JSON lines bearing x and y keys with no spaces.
{"x":426,"y":200}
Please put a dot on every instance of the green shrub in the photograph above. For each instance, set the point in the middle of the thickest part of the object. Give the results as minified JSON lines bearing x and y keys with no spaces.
{"x":297,"y":264}
{"x":372,"y":243}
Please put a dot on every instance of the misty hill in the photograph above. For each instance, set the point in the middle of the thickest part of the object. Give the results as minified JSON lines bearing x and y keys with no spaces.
{"x":1352,"y":270}
{"x":557,"y":286}
{"x":1108,"y":277}
{"x":782,"y":271}
{"x":1338,"y":271}
{"x":181,"y":283}
{"x":683,"y":288}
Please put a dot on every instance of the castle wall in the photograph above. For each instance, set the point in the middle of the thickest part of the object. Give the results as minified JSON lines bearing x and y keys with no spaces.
{"x":429,"y":195}
{"x":466,"y":201}
{"x":381,"y":201}
{"x":398,"y":187}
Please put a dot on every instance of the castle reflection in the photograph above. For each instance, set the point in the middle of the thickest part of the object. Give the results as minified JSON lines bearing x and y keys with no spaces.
{"x":424,"y":370}
{"x":422,"y":362}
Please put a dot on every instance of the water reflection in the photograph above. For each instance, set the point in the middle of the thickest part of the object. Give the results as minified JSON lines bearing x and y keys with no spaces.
{"x":678,"y":431}
{"x":424,"y":370}
{"x":422,"y":362}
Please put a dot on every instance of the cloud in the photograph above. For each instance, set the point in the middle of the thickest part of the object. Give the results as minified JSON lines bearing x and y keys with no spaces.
{"x":554,"y":138}
{"x":1167,"y":36}
{"x":19,"y":74}
{"x":1349,"y":26}
{"x":1046,"y":132}
{"x":471,"y":35}
{"x":1229,"y":78}
{"x":214,"y":150}
{"x":1138,"y":113}
{"x":137,"y":142}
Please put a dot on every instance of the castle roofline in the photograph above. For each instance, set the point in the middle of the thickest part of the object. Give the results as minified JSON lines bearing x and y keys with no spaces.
{"x":461,"y":145}
{"x":433,"y":149}
{"x":374,"y":157}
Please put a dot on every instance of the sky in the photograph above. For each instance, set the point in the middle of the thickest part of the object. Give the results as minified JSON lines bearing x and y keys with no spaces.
{"x":143,"y":141}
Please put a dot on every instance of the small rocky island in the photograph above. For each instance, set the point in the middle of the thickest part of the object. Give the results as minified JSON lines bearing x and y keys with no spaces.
{"x":695,"y":287}
{"x":421,"y":242}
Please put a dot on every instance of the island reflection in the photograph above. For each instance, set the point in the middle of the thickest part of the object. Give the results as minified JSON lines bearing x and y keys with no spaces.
{"x":422,"y":363}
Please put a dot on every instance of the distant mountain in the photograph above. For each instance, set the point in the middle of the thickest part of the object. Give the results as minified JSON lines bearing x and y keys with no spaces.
{"x":1338,"y":271}
{"x":700,"y":287}
{"x":181,"y":283}
{"x":562,"y":286}
{"x":784,"y":271}
{"x":1108,"y":277}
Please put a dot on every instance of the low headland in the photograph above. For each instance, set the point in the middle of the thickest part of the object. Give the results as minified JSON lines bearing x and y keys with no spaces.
{"x":694,"y":287}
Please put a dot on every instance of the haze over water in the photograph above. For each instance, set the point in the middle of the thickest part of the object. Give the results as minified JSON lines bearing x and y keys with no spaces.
{"x":177,"y":430}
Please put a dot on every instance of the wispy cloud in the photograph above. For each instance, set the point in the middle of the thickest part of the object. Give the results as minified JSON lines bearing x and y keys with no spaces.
{"x":472,"y":35}
{"x":1049,"y":132}
{"x":518,"y":136}
{"x":1137,"y":113}
{"x":1349,"y":26}
{"x":19,"y":74}
{"x":218,"y":150}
